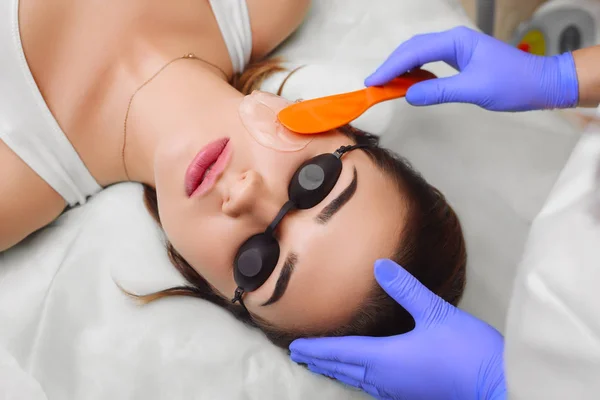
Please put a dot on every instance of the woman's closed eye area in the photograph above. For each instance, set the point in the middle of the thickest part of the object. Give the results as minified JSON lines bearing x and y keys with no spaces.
{"x":326,"y":213}
{"x":311,"y":183}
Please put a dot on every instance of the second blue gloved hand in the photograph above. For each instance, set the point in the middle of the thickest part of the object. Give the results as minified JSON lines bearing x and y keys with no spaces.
{"x":448,"y":355}
{"x":493,"y":74}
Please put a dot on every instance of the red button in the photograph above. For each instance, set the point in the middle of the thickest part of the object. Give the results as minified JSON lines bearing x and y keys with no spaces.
{"x":524,"y":46}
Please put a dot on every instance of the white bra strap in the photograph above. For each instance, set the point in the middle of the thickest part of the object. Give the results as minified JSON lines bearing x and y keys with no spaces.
{"x":234,"y":22}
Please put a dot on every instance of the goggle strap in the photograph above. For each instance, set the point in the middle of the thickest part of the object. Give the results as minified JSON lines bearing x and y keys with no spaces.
{"x":345,"y":149}
{"x":239,"y":292}
{"x":287,"y":207}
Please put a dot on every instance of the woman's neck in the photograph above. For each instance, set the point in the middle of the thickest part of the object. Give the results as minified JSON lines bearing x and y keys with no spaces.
{"x":154,"y":35}
{"x":185,"y":98}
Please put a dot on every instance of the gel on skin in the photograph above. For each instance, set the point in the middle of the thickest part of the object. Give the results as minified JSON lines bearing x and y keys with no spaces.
{"x":258,"y":112}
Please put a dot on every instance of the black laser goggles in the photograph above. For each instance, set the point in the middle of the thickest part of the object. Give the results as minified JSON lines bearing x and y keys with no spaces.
{"x":257,"y":257}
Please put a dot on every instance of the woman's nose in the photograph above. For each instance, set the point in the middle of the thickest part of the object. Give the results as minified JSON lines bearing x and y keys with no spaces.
{"x":249,"y":196}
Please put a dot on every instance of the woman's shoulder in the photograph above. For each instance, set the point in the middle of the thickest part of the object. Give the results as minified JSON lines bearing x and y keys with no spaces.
{"x":27,"y":202}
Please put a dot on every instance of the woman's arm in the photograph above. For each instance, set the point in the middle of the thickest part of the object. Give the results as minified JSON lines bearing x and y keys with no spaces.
{"x":587,"y":63}
{"x":272,"y":22}
{"x":27,"y":203}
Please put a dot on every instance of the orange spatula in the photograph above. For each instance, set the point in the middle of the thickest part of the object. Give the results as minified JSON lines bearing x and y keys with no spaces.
{"x":327,"y":113}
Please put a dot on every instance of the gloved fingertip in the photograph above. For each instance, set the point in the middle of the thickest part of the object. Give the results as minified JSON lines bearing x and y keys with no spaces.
{"x":373,"y":80}
{"x":386,"y":270}
{"x":416,"y":97}
{"x":296,"y":345}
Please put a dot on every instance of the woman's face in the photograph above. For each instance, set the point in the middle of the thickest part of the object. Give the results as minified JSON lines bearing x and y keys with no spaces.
{"x":327,"y":252}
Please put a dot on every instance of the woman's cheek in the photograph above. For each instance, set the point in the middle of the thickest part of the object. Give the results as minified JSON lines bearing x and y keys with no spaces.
{"x":210,"y":252}
{"x":258,"y":113}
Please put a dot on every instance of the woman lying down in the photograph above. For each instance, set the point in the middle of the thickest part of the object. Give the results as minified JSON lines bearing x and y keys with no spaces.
{"x":279,"y":229}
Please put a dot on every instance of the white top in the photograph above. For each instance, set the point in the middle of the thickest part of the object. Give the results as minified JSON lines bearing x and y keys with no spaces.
{"x":234,"y":22}
{"x":28,"y":127}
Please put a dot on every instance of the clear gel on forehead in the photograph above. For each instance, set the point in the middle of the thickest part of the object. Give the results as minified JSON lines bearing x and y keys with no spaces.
{"x":258,"y":113}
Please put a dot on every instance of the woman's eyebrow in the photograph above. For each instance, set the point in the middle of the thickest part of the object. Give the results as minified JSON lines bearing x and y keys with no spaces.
{"x":337,"y":203}
{"x":284,"y":278}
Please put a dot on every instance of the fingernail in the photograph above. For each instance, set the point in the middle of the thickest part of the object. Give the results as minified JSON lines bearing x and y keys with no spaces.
{"x":386,"y":270}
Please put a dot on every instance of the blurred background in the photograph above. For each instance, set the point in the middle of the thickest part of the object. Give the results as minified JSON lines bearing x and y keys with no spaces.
{"x":509,"y":14}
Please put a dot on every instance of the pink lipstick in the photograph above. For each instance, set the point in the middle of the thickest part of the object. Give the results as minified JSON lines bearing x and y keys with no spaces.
{"x":206,"y":168}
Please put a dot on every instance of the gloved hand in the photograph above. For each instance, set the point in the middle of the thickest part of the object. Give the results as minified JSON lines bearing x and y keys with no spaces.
{"x":448,"y":355}
{"x":493,"y":74}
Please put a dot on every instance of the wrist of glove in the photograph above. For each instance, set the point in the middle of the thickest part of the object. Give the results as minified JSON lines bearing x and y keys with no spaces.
{"x":559,"y":82}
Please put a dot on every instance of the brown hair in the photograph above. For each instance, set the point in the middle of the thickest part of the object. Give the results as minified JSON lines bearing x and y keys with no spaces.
{"x":431,"y":246}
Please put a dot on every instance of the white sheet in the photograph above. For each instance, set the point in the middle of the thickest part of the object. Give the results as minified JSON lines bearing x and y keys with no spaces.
{"x":553,"y":332}
{"x":68,"y":332}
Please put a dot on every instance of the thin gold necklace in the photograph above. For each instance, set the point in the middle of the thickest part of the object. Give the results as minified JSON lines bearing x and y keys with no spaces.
{"x":191,"y":56}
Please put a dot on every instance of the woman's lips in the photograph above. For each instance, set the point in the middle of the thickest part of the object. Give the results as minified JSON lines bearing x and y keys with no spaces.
{"x":206,"y":167}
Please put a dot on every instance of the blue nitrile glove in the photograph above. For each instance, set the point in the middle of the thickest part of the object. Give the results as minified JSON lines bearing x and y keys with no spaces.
{"x":448,"y":355}
{"x":493,"y":74}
